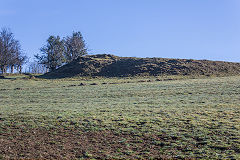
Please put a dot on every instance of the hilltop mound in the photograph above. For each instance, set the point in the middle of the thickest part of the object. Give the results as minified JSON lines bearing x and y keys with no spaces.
{"x":113,"y":66}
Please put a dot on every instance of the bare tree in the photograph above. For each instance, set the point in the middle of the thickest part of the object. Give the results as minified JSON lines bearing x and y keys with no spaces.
{"x":35,"y":67}
{"x":19,"y":62}
{"x":52,"y":53}
{"x":6,"y":49}
{"x":11,"y":54}
{"x":74,"y":46}
{"x":1,"y":55}
{"x":17,"y":58}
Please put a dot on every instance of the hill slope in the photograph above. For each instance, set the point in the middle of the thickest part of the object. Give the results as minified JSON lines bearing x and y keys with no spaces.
{"x":114,"y":66}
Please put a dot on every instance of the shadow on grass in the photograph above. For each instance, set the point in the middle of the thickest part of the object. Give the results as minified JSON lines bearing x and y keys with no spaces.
{"x":4,"y":77}
{"x":47,"y":76}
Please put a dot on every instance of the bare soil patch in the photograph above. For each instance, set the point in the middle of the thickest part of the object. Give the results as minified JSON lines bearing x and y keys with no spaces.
{"x":26,"y":143}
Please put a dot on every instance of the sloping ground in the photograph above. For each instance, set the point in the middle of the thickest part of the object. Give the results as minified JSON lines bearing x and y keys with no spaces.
{"x":63,"y":119}
{"x":114,"y":66}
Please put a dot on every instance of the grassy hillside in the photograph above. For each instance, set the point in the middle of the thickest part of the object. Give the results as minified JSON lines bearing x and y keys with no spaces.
{"x":114,"y":66}
{"x":120,"y":118}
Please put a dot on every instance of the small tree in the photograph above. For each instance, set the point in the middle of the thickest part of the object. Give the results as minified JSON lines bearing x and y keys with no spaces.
{"x":74,"y":46}
{"x":52,"y":53}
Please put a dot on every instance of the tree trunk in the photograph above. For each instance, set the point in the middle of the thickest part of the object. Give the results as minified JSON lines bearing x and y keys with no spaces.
{"x":4,"y":69}
{"x":12,"y":69}
{"x":20,"y":69}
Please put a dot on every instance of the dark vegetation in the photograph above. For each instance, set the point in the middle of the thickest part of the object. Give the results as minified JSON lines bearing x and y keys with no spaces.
{"x":113,"y":66}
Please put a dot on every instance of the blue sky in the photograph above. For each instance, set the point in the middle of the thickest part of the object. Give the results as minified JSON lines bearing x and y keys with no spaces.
{"x":196,"y":29}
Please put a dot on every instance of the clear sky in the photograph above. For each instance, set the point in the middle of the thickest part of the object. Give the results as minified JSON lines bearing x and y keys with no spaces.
{"x":197,"y":29}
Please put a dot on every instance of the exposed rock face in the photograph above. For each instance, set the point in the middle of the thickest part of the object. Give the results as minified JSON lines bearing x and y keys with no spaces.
{"x":114,"y":66}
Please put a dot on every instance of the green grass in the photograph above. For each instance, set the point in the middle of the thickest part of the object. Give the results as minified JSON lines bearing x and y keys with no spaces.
{"x":188,"y":112}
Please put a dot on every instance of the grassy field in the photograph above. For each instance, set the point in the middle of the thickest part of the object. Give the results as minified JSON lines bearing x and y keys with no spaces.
{"x":152,"y":117}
